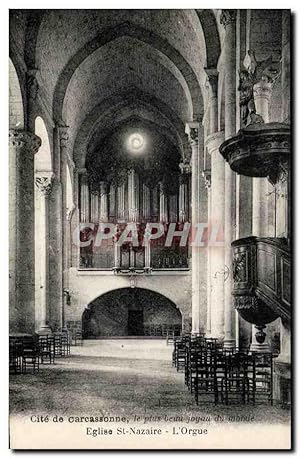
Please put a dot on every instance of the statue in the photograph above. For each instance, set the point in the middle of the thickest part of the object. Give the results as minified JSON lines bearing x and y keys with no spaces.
{"x":247,"y":104}
{"x":254,"y":72}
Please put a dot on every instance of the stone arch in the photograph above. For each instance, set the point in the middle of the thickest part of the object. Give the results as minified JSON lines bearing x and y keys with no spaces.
{"x":142,"y":34}
{"x":16,"y":105}
{"x":211,"y":35}
{"x":131,"y":311}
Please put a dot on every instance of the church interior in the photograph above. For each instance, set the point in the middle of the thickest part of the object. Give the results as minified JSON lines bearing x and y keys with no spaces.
{"x":173,"y":120}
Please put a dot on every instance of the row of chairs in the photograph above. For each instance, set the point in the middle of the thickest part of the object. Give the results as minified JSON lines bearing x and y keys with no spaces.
{"x":225,"y":376}
{"x":163,"y":330}
{"x":26,"y":353}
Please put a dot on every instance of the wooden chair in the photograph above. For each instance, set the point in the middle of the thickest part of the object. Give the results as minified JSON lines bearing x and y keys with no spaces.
{"x":66,"y":344}
{"x":30,"y":354}
{"x":260,"y":377}
{"x":78,"y":338}
{"x":15,"y":356}
{"x":205,"y":381}
{"x":234,"y":382}
{"x":57,"y":342}
{"x":45,"y":349}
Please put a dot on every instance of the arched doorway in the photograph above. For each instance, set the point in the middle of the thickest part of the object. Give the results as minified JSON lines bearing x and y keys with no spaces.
{"x":131,"y":312}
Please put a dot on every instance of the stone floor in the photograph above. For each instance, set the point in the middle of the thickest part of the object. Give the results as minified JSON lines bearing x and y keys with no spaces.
{"x":115,"y":377}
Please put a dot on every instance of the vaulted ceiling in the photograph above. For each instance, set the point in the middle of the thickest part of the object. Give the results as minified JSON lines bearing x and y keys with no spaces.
{"x":99,"y":67}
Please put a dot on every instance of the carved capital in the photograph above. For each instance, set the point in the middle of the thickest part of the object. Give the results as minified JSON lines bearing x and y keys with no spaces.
{"x":44,"y":184}
{"x":192,"y":131}
{"x":63,"y":135}
{"x":185,"y":167}
{"x":23,"y":140}
{"x":207,"y":178}
{"x":228,"y":17}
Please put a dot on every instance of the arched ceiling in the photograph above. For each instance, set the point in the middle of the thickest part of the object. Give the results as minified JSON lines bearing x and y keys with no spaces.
{"x":119,"y":65}
{"x":70,"y":35}
{"x":101,"y":67}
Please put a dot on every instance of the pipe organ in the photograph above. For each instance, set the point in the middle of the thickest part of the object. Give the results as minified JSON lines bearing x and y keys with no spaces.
{"x":132,"y":201}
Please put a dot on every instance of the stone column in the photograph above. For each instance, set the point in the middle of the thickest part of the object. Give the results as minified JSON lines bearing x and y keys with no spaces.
{"x":192,"y":130}
{"x":212,"y":76}
{"x":262,"y":92}
{"x":44,"y":184}
{"x":133,"y":196}
{"x":217,"y":255}
{"x":63,"y":153}
{"x":228,"y":19}
{"x":22,"y":147}
{"x":103,"y":217}
{"x":163,"y":204}
{"x":207,"y":178}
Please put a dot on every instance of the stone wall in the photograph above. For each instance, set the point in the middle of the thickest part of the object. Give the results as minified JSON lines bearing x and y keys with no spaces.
{"x":86,"y":286}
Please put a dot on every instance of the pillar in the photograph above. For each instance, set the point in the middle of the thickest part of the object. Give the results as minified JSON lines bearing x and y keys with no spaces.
{"x":55,"y":252}
{"x":198,"y":252}
{"x":212,"y":76}
{"x":207,"y":178}
{"x":63,"y":153}
{"x":43,"y":183}
{"x":228,"y":19}
{"x":22,"y":147}
{"x":262,"y":95}
{"x":217,"y":255}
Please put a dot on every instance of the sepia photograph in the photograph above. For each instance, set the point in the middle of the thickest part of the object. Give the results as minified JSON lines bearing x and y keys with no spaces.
{"x":150,"y":229}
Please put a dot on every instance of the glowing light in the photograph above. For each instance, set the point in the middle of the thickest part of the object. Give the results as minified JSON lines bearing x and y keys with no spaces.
{"x":136,"y":143}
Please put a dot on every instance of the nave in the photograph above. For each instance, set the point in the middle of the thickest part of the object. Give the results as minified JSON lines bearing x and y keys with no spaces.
{"x":120,"y":377}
